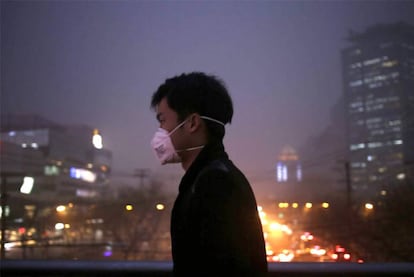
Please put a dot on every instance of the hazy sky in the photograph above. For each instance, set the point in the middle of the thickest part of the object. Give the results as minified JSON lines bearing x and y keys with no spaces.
{"x":98,"y":63}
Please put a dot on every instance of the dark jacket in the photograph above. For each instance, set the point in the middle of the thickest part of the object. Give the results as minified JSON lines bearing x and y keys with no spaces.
{"x":215,"y":227}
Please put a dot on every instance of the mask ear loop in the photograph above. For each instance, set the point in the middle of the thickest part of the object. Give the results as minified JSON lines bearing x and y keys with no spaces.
{"x":176,"y":128}
{"x":212,"y":119}
{"x":196,"y":147}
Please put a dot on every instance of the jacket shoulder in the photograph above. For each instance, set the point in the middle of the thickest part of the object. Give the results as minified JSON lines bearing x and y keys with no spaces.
{"x":214,"y":171}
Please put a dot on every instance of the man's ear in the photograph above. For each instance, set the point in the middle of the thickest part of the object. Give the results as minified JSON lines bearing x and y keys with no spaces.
{"x":195,"y":122}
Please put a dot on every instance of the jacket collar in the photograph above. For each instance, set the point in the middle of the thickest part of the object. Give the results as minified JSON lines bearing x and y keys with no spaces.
{"x":212,"y":151}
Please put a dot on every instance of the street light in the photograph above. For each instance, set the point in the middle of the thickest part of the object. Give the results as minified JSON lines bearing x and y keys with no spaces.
{"x":59,"y":226}
{"x":369,"y":206}
{"x":61,"y":209}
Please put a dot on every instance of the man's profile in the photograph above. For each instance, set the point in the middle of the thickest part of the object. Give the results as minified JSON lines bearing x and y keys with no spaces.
{"x":215,"y":227}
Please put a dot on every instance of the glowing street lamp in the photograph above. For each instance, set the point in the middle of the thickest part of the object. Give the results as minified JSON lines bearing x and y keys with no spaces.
{"x":59,"y":226}
{"x":61,"y":209}
{"x":160,"y":207}
{"x":369,"y":206}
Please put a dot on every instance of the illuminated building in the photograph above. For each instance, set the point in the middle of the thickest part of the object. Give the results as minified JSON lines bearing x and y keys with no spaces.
{"x":288,"y":168}
{"x":66,"y":162}
{"x":378,"y":73}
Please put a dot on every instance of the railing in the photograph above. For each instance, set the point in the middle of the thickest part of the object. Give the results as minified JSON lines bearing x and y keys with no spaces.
{"x":23,"y":268}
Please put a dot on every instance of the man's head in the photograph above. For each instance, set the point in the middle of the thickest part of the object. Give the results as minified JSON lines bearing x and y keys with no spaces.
{"x":192,"y":110}
{"x":197,"y":93}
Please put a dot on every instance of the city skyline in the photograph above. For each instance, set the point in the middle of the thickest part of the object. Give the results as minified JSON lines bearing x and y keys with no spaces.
{"x":98,"y":64}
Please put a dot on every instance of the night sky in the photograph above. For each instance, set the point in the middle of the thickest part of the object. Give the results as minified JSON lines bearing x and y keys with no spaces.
{"x":98,"y":63}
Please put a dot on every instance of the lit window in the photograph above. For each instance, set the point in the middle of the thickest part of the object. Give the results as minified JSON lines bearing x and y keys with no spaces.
{"x":401,"y":176}
{"x":355,"y":83}
{"x":355,"y":65}
{"x":27,"y":185}
{"x":299,"y":173}
{"x":284,"y":173}
{"x":357,"y":146}
{"x":372,"y":61}
{"x":375,"y":144}
{"x":373,"y":178}
{"x":382,"y":169}
{"x":50,"y":170}
{"x":398,"y":142}
{"x":358,"y":164}
{"x":279,"y":172}
{"x":356,"y":104}
{"x":389,"y":63}
{"x":374,"y":120}
{"x":394,"y":122}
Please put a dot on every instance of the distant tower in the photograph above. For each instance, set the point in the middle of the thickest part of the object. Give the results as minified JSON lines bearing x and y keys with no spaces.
{"x":288,"y":168}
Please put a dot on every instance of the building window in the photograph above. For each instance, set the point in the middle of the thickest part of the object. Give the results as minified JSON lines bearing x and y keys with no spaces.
{"x":357,"y":146}
{"x":398,"y":142}
{"x":372,"y":61}
{"x":375,"y":144}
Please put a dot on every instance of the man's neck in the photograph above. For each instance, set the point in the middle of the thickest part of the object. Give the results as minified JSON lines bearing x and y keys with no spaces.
{"x":189,"y":158}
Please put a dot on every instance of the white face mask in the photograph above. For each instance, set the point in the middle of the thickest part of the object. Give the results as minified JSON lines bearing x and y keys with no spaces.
{"x":164,"y":148}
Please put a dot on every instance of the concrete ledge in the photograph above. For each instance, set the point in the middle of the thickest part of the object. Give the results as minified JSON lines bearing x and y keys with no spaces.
{"x":155,"y":268}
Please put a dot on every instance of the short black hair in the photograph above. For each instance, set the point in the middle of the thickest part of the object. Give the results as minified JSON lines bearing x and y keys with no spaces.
{"x":197,"y":92}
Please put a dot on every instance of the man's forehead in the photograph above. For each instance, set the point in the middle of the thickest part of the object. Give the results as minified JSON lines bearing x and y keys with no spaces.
{"x":162,"y":107}
{"x":163,"y":110}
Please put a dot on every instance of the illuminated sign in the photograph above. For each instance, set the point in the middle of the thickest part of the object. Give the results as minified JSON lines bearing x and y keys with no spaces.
{"x":97,"y":139}
{"x":82,"y":174}
{"x":27,"y":185}
{"x":51,"y":170}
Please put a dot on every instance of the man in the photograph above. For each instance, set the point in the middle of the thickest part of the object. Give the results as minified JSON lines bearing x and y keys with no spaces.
{"x":215,"y":227}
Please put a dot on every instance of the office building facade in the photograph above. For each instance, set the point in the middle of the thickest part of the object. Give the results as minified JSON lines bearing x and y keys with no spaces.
{"x":66,"y":162}
{"x":378,"y":75}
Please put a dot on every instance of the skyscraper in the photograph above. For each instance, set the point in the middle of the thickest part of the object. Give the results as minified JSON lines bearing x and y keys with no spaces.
{"x":378,"y":74}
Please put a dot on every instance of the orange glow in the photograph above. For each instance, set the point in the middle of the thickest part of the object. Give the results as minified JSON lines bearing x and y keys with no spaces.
{"x":60,"y":209}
